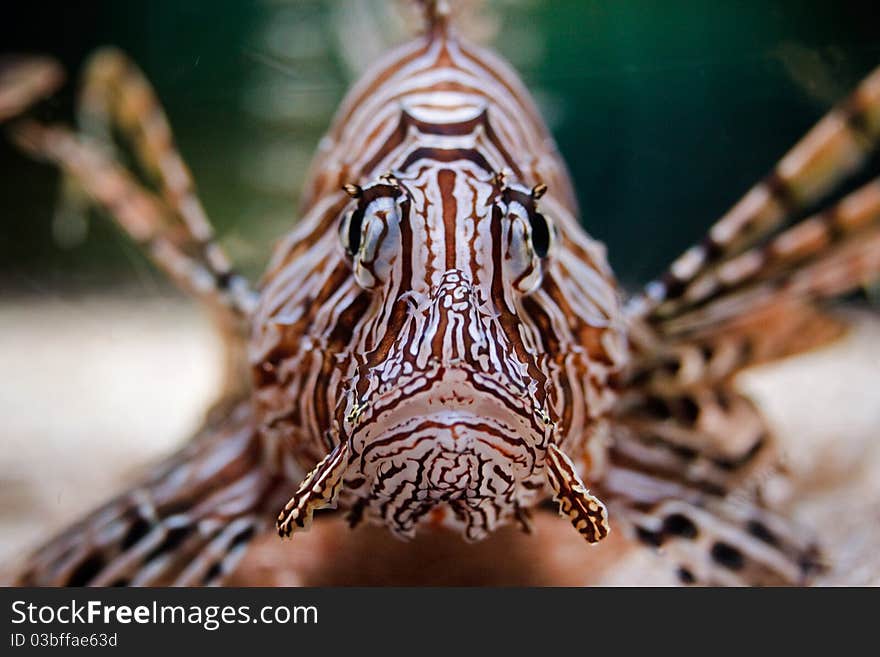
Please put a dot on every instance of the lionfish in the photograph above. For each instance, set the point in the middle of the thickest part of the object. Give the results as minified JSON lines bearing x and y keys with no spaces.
{"x":439,"y":345}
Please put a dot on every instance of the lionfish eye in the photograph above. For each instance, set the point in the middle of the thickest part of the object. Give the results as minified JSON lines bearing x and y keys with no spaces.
{"x":540,"y":234}
{"x":380,"y":201}
{"x":352,"y":226}
{"x":539,"y":237}
{"x":352,"y":232}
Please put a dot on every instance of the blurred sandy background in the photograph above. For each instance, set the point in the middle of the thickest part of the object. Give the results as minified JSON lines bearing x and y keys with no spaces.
{"x":665,"y":112}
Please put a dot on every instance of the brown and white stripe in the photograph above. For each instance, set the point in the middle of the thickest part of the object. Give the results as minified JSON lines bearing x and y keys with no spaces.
{"x":440,"y":343}
{"x":462,"y":323}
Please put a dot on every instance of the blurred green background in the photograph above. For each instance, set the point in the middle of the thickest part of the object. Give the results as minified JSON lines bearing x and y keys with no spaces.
{"x":665,"y":111}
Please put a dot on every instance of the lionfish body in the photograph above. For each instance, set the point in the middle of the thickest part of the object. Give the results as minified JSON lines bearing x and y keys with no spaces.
{"x":459,"y":326}
{"x":439,"y":344}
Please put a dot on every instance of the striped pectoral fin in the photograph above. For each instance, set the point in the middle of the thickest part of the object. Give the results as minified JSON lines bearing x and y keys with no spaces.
{"x":851,"y":224}
{"x":712,"y":356}
{"x":117,"y":96}
{"x":841,"y":270}
{"x":695,"y":494}
{"x":119,"y":114}
{"x":719,"y":542}
{"x":318,"y":490}
{"x":709,"y":437}
{"x":833,"y":150}
{"x":586,"y":512}
{"x":188,"y":524}
{"x":144,"y":216}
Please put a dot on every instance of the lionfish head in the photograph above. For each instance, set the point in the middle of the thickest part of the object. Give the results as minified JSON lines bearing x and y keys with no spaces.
{"x":446,"y":416}
{"x":457,"y":333}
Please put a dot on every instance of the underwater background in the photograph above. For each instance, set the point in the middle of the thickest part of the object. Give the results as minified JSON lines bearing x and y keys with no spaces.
{"x":666,"y":112}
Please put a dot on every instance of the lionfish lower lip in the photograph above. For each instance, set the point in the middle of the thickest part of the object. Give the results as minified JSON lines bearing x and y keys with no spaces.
{"x":444,"y":431}
{"x":458,"y":411}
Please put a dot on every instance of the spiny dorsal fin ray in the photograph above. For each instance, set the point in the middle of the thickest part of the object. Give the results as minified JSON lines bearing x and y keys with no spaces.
{"x":437,"y":14}
{"x":842,"y":269}
{"x":835,"y":148}
{"x":855,"y":217}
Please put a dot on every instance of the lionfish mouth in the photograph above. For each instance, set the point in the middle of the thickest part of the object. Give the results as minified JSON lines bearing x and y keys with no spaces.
{"x":449,"y":438}
{"x":451,"y":446}
{"x":454,"y":400}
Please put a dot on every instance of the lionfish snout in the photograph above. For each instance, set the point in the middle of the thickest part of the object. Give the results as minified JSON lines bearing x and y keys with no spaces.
{"x":448,"y":429}
{"x":448,"y":426}
{"x":441,"y":439}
